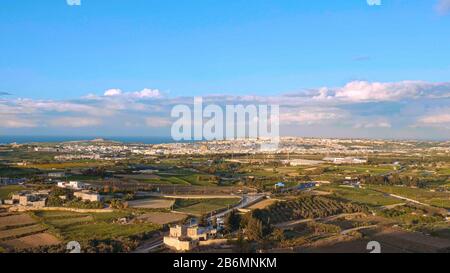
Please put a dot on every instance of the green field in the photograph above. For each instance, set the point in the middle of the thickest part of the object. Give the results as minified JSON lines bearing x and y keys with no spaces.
{"x":83,"y":227}
{"x":203,"y":206}
{"x":16,"y":172}
{"x":307,"y":207}
{"x":67,"y":165}
{"x":5,"y":191}
{"x":363,"y":169}
{"x":362,"y":196}
{"x":177,"y":178}
{"x":444,"y":171}
{"x":437,"y":199}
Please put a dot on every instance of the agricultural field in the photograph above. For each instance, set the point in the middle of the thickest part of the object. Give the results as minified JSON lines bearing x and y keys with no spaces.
{"x":68,"y":165}
{"x":21,"y":231}
{"x":12,"y":220}
{"x":151,"y":203}
{"x":174,"y":178}
{"x":445,"y":171}
{"x":5,"y":191}
{"x":203,"y":206}
{"x":362,"y":169}
{"x":6,"y":171}
{"x":33,"y":241}
{"x":437,"y":199}
{"x":307,"y":207}
{"x":361,"y":196}
{"x":84,"y":227}
{"x":161,"y":218}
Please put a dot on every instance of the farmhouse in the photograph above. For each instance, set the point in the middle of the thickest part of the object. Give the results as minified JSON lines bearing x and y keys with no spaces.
{"x":184,"y":238}
{"x":88,"y":196}
{"x":74,"y":185}
{"x":30,"y":199}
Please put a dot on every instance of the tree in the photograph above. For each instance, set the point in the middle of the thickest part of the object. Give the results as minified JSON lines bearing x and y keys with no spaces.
{"x":214,"y":222}
{"x":203,"y":221}
{"x":242,"y":244}
{"x":232,"y":221}
{"x":254,"y":230}
{"x":278,"y":235}
{"x":118,"y":204}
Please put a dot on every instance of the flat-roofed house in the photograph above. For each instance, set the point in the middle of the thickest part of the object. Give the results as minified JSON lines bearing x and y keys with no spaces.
{"x":88,"y":196}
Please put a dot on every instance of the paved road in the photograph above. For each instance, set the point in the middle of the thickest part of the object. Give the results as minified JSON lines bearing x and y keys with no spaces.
{"x":146,"y":247}
{"x":405,"y":198}
{"x":290,"y":224}
{"x":357,"y":228}
{"x":247,"y":200}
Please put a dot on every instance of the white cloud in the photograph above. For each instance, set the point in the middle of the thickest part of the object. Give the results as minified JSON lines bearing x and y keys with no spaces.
{"x":158,"y":122}
{"x":375,"y":124}
{"x":348,"y":107}
{"x":75,"y":122}
{"x":363,"y":91}
{"x":311,"y":116}
{"x":15,"y":122}
{"x":374,"y":2}
{"x":112,"y":92}
{"x":146,"y":93}
{"x":435,"y":119}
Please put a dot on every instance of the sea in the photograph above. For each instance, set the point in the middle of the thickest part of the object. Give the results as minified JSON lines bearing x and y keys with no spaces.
{"x":53,"y":139}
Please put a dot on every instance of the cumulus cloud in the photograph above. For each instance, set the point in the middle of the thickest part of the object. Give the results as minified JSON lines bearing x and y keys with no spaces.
{"x":355,"y":106}
{"x":361,"y":91}
{"x":112,"y":92}
{"x":146,"y":93}
{"x":75,"y":122}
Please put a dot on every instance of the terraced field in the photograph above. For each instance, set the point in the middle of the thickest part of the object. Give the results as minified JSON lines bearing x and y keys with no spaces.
{"x":83,"y":227}
{"x":307,"y":207}
{"x":9,"y":220}
{"x":19,"y":231}
{"x":151,"y":203}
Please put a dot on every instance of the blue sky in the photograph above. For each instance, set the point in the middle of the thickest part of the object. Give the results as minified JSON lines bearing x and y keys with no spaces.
{"x":55,"y":53}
